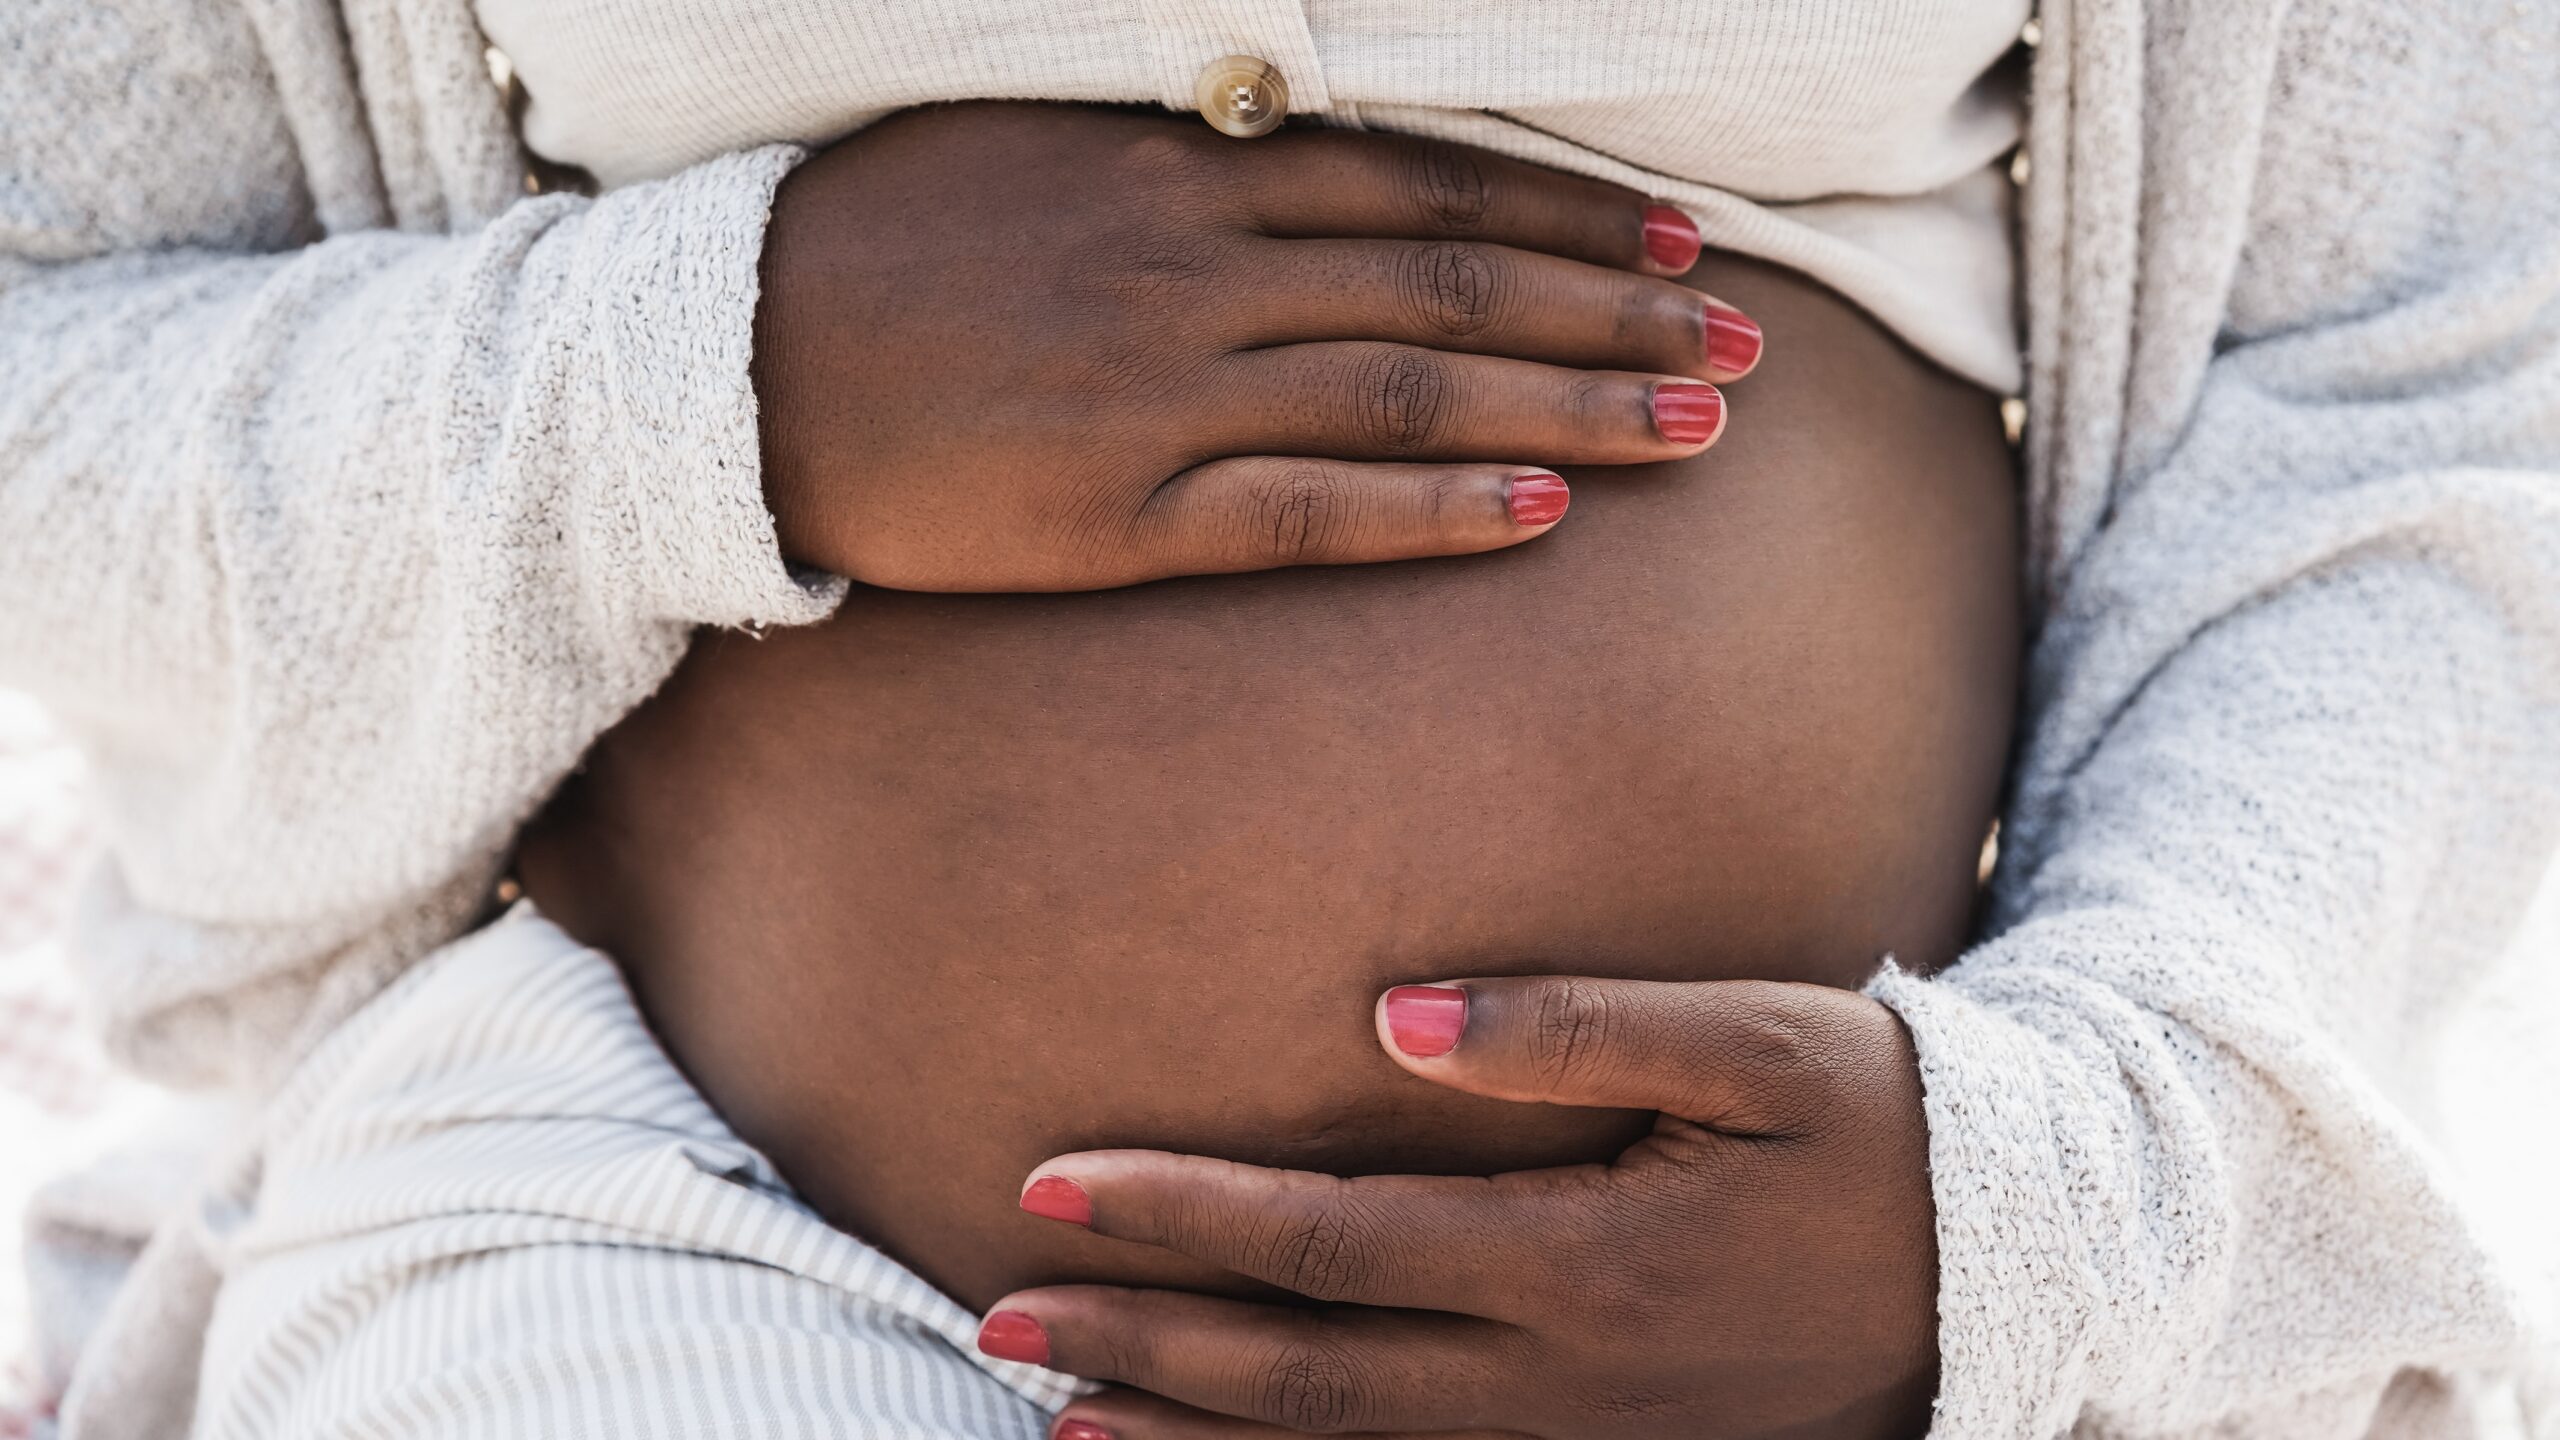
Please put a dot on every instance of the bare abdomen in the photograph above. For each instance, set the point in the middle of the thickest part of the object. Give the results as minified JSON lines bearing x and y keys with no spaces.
{"x":952,"y":884}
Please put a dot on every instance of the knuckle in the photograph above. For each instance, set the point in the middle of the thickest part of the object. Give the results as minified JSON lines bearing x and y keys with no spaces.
{"x":1156,"y":266}
{"x":1451,"y":287}
{"x":1404,"y":399}
{"x":1168,"y":260}
{"x":1317,"y":1254}
{"x":1449,"y":187}
{"x":1593,"y":404}
{"x":1776,"y":1040}
{"x":1309,"y":1386}
{"x":1641,"y":318}
{"x":1126,"y":1353}
{"x":1782,"y":1054}
{"x":1168,"y":232}
{"x":1168,"y":157}
{"x":1298,"y":511}
{"x":1440,"y":496}
{"x":1177,"y":1218}
{"x":1125,"y":376}
{"x":1090,"y":518}
{"x":1569,"y":1032}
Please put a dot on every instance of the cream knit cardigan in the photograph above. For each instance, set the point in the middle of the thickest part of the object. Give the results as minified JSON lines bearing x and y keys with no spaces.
{"x":346,"y":493}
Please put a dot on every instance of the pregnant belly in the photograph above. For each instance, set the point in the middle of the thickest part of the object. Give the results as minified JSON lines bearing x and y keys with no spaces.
{"x":951,"y":884}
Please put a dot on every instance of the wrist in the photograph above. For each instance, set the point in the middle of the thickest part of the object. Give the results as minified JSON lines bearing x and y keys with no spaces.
{"x":675,"y":521}
{"x":2015,"y":1144}
{"x":798,"y":305}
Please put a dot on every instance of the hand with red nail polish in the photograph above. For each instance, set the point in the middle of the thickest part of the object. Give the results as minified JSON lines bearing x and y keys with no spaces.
{"x":1006,"y":347}
{"x":1424,"y":1021}
{"x":1733,"y":340}
{"x":1763,"y":1264}
{"x":1671,"y":238}
{"x":1055,"y":1197}
{"x":1688,"y":414}
{"x":1012,"y":1335}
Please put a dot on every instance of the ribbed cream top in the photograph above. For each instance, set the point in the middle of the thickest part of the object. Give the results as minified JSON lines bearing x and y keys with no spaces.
{"x":1855,"y":140}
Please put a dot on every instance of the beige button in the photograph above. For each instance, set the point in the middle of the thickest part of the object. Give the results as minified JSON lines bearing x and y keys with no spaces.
{"x":1242,"y":96}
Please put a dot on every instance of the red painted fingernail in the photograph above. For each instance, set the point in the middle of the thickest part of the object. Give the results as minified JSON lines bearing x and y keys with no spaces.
{"x":1080,"y":1430}
{"x":1538,"y":498}
{"x":1687,"y":414}
{"x":1012,"y":1335}
{"x":1733,"y":341}
{"x":1671,"y":238}
{"x":1426,"y":1020}
{"x":1055,"y":1197}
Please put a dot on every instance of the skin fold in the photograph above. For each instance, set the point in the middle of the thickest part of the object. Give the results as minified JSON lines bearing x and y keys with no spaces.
{"x":953,"y":884}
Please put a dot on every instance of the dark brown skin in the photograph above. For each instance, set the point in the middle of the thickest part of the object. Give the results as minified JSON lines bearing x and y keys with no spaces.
{"x":935,"y":892}
{"x":1747,"y":1269}
{"x":1037,"y":347}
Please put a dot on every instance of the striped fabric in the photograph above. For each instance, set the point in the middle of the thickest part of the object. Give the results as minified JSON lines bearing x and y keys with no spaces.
{"x":491,"y":1207}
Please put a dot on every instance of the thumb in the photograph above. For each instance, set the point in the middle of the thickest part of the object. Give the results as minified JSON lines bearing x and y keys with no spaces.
{"x":1743,"y":1056}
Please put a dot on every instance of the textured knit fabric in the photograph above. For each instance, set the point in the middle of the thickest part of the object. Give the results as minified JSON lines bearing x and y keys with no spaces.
{"x":334,"y":538}
{"x":2290,"y":764}
{"x":1849,"y":139}
{"x":491,"y":1207}
{"x":345,"y":495}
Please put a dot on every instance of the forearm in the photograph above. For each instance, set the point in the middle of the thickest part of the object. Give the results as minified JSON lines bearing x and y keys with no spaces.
{"x":2177,"y":1121}
{"x":337,"y":558}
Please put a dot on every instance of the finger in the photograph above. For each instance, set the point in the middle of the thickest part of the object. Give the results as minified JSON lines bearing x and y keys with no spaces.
{"x":1468,"y":1244}
{"x":1261,"y":512}
{"x":1319,"y":1371}
{"x":1742,"y":1056}
{"x":1125,"y":1414}
{"x":1347,"y":184}
{"x":1366,"y":400}
{"x":1495,"y":300}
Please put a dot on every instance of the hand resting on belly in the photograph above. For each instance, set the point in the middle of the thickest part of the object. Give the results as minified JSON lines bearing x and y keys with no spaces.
{"x":949,"y":885}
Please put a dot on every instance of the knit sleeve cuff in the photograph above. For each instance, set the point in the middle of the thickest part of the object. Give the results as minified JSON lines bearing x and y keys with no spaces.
{"x":681,"y":413}
{"x":2020,"y":1146}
